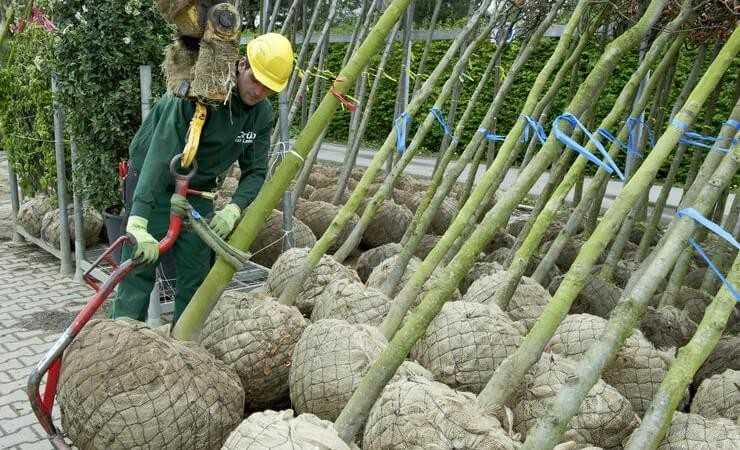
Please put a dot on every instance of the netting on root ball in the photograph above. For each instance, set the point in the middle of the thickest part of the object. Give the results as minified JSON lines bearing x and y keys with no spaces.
{"x":322,"y":179}
{"x":416,"y":413}
{"x":370,"y":259}
{"x":124,"y":386}
{"x":526,"y":304}
{"x":319,"y":215}
{"x":387,"y":225}
{"x":692,"y":431}
{"x":667,"y":327}
{"x":605,"y":417}
{"x":638,"y":368}
{"x":479,"y":270}
{"x":92,"y":223}
{"x":254,"y":335}
{"x":328,"y":362}
{"x":444,"y":216}
{"x":465,"y":343}
{"x":268,"y":245}
{"x":719,"y":396}
{"x":290,"y":264}
{"x":32,"y":212}
{"x":178,"y":65}
{"x":726,"y":355}
{"x":351,"y":301}
{"x":280,"y":430}
{"x":380,"y":274}
{"x":326,"y":194}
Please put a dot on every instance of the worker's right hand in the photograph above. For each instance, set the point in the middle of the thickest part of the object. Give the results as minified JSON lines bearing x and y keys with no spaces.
{"x":147,"y":248}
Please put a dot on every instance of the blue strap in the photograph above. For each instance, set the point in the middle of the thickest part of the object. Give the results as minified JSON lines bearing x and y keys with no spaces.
{"x":440,"y":116}
{"x":719,"y":231}
{"x":733,"y":123}
{"x":402,"y":123}
{"x":539,"y":130}
{"x":699,"y":140}
{"x":633,"y":135}
{"x":606,"y":134}
{"x":490,"y":135}
{"x":608,"y":165}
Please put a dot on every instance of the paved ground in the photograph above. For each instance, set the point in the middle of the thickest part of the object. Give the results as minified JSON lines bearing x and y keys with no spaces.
{"x":36,"y":303}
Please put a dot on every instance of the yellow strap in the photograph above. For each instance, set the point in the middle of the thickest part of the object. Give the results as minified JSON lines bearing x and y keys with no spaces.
{"x":196,"y":127}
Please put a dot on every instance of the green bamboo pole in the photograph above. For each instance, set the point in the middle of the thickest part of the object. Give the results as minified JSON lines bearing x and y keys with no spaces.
{"x":657,"y":419}
{"x":358,"y":195}
{"x":427,"y":45}
{"x":372,"y":206}
{"x":303,"y":85}
{"x":289,"y":17}
{"x":354,"y":148}
{"x":626,"y":316}
{"x":304,"y":48}
{"x":547,"y":214}
{"x":711,"y":283}
{"x":383,"y":368}
{"x":489,"y":182}
{"x":220,"y":276}
{"x":596,"y":187}
{"x":514,"y":367}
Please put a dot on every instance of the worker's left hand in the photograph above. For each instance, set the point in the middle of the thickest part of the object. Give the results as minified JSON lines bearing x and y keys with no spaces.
{"x":225,"y":220}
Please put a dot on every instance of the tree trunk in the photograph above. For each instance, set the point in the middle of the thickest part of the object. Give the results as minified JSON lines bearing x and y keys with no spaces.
{"x":427,"y":45}
{"x":354,"y":149}
{"x":344,"y":214}
{"x":514,"y":367}
{"x":625,"y":317}
{"x":221,"y":273}
{"x":657,"y":419}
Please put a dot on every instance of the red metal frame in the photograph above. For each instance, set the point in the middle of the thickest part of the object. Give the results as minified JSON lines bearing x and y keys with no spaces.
{"x":51,"y":364}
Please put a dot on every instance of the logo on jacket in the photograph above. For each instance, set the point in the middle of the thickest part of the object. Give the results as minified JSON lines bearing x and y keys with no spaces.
{"x":246,"y":137}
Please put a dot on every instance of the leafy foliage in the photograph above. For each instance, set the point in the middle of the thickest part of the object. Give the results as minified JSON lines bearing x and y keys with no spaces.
{"x":98,"y":51}
{"x":26,"y":131}
{"x":383,"y":109}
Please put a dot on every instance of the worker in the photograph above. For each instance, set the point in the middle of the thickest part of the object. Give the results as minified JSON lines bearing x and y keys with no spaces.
{"x":237,"y":131}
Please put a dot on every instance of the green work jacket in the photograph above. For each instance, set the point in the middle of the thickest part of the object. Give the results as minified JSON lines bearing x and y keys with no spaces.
{"x":232,"y":132}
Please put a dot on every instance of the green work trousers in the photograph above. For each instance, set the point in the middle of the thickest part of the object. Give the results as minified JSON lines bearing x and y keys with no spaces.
{"x":192,"y":263}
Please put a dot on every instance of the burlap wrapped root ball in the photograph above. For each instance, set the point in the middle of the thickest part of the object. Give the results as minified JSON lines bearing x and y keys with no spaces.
{"x":465,"y":343}
{"x":719,"y":396}
{"x":31,"y":213}
{"x":638,"y":368}
{"x":409,"y":199}
{"x":328,"y":362}
{"x":268,"y":245}
{"x":254,"y":335}
{"x":319,"y":215}
{"x":692,"y":431}
{"x":726,"y":355}
{"x":352,"y":302}
{"x":370,"y":259}
{"x":387,"y":225}
{"x":124,"y":386}
{"x":426,"y":245}
{"x":275,"y":430}
{"x":444,"y":216}
{"x":416,"y":413}
{"x":92,"y":223}
{"x":526,"y":304}
{"x":380,"y":274}
{"x":695,"y":302}
{"x":667,"y":327}
{"x":321,"y":179}
{"x":290,"y":264}
{"x":479,"y":270}
{"x":605,"y":417}
{"x":326,"y":194}
{"x":178,"y":65}
{"x":598,"y":297}
{"x":214,"y":74}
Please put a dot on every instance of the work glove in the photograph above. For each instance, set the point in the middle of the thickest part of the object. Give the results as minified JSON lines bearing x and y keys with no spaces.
{"x":225,"y":220}
{"x":147,"y":248}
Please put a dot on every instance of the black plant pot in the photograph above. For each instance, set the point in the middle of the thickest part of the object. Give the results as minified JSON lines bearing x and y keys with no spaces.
{"x":113,"y":217}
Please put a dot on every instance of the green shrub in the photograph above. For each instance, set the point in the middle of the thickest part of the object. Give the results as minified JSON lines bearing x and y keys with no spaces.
{"x":98,"y":50}
{"x":26,"y":131}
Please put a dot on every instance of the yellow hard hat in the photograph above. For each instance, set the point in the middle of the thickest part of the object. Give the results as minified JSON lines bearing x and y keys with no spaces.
{"x":271,"y":59}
